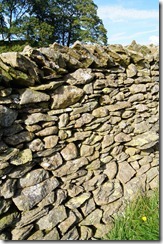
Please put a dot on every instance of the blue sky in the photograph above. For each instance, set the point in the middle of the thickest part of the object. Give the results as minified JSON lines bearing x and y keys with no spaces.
{"x":128,"y":20}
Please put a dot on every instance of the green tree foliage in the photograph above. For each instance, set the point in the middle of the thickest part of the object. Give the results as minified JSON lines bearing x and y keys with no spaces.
{"x":47,"y":21}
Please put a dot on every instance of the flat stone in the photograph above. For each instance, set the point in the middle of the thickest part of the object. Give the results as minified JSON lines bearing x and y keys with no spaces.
{"x":36,"y":145}
{"x":86,"y":233}
{"x":50,"y":141}
{"x":87,"y":107}
{"x":111,"y":170}
{"x":52,"y":162}
{"x":68,"y":223}
{"x":23,"y":157}
{"x":136,"y":97}
{"x":38,"y":117}
{"x":136,"y":88}
{"x":33,"y":177}
{"x":21,"y":233}
{"x":63,"y":120}
{"x":12,"y":130}
{"x":8,"y":219}
{"x":70,"y":167}
{"x":94,"y":183}
{"x":51,"y":130}
{"x":7,"y":116}
{"x":100,"y":112}
{"x":8,"y":188}
{"x":88,"y":206}
{"x":108,"y":192}
{"x":21,"y":137}
{"x":69,"y":152}
{"x":53,"y":235}
{"x":144,"y":141}
{"x":80,"y":77}
{"x":152,"y":173}
{"x":86,"y":150}
{"x":93,"y":218}
{"x":125,"y":172}
{"x":84,"y":119}
{"x":107,"y":141}
{"x":5,"y":205}
{"x":122,"y":137}
{"x":30,"y":196}
{"x":31,"y":96}
{"x":76,"y":202}
{"x":65,"y":96}
{"x":8,"y":154}
{"x":118,"y":106}
{"x":131,"y":71}
{"x":54,"y":217}
{"x":71,"y":235}
{"x":37,"y":235}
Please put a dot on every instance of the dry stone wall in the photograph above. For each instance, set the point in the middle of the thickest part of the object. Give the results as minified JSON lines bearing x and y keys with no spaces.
{"x":79,"y":138}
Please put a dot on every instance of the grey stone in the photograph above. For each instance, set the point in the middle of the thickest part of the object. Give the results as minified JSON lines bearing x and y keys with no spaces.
{"x":80,"y":77}
{"x":50,"y":141}
{"x":8,"y":188}
{"x":70,"y":167}
{"x":136,"y":88}
{"x":33,"y":177}
{"x":71,"y":235}
{"x":22,"y":157}
{"x":53,"y":235}
{"x":51,"y":130}
{"x":21,"y":137}
{"x":100,"y":112}
{"x":107,"y":141}
{"x":63,"y":120}
{"x":30,"y":196}
{"x":69,"y":152}
{"x":31,"y":96}
{"x":54,"y":217}
{"x":136,"y":97}
{"x":86,"y":150}
{"x":93,"y":218}
{"x":88,"y":206}
{"x":131,"y":71}
{"x":36,"y":145}
{"x":122,"y":137}
{"x":108,"y":192}
{"x":65,"y":96}
{"x":125,"y":172}
{"x":52,"y":162}
{"x":37,"y":117}
{"x":86,"y":233}
{"x":111,"y":170}
{"x":68,"y":223}
{"x":21,"y":233}
{"x":118,"y":106}
{"x":76,"y":202}
{"x":7,"y":116}
{"x":9,"y":219}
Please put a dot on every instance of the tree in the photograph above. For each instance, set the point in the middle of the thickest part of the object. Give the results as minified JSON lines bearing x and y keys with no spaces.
{"x":13,"y":10}
{"x":48,"y":21}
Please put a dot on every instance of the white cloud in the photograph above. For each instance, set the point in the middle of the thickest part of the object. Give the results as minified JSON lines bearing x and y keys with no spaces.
{"x":124,"y":36}
{"x":115,"y":12}
{"x":154,"y":40}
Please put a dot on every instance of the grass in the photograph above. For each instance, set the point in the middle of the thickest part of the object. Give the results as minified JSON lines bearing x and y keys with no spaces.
{"x":140,"y":220}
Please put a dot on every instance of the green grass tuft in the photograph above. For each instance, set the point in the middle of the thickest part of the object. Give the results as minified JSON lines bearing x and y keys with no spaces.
{"x":140,"y":220}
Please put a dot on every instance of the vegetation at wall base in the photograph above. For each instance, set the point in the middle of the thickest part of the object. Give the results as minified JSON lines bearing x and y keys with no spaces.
{"x":140,"y":220}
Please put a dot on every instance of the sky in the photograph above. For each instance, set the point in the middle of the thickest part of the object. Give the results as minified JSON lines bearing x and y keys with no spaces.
{"x":128,"y":20}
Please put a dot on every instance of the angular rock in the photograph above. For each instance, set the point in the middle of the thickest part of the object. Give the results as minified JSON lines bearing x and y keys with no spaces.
{"x":50,"y":141}
{"x":122,"y":137}
{"x":54,"y":217}
{"x":52,"y":162}
{"x":8,"y":189}
{"x":21,"y":233}
{"x":131,"y":71}
{"x":108,"y":192}
{"x":21,"y":137}
{"x":23,"y":157}
{"x":36,"y":145}
{"x":86,"y":150}
{"x":31,"y":96}
{"x":63,"y":120}
{"x":8,"y":154}
{"x":118,"y":106}
{"x":86,"y":233}
{"x":53,"y":235}
{"x":30,"y":196}
{"x":71,"y":167}
{"x":100,"y":112}
{"x":144,"y":141}
{"x":125,"y":172}
{"x":88,"y":206}
{"x":93,"y":218}
{"x":107,"y":141}
{"x":5,"y":205}
{"x":80,"y":77}
{"x":9,"y":219}
{"x":37,"y":117}
{"x":68,"y":223}
{"x":7,"y":116}
{"x":87,"y":107}
{"x":94,"y":183}
{"x":71,"y":235}
{"x":69,"y":152}
{"x":51,"y":130}
{"x":136,"y":97}
{"x":38,"y":235}
{"x":84,"y":119}
{"x":136,"y":88}
{"x":111,"y":170}
{"x":76,"y":202}
{"x":33,"y":177}
{"x":65,"y":96}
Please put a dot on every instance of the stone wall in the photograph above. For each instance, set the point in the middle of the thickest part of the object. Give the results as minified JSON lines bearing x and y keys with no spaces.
{"x":79,"y":138}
